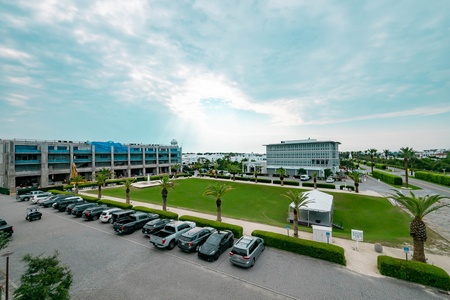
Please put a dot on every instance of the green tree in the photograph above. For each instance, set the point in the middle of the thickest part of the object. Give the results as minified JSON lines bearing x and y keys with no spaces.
{"x":101,"y":179}
{"x":76,"y":180}
{"x":419,"y":207}
{"x":408,"y":154}
{"x":107,"y":172}
{"x":300,"y":200}
{"x":301,"y":171}
{"x":234,"y":169}
{"x":355,"y":176}
{"x":218,"y":191}
{"x":128,"y":184}
{"x":281,"y":173}
{"x":175,"y":168}
{"x":372,"y":153}
{"x":386,"y":154}
{"x":44,"y":278}
{"x":256,"y":172}
{"x":328,"y":172}
{"x":165,"y":185}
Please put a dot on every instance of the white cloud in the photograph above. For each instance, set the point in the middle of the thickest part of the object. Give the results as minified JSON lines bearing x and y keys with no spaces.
{"x":17,"y":100}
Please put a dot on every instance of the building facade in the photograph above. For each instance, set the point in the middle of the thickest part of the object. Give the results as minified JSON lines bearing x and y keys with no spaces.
{"x":311,"y":155}
{"x":43,"y":163}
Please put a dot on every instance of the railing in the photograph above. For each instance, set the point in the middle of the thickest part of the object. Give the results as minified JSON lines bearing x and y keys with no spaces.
{"x":28,"y":162}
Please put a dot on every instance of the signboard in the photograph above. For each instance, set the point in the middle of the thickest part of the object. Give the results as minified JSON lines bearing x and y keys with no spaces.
{"x":357,"y":235}
{"x":406,"y":249}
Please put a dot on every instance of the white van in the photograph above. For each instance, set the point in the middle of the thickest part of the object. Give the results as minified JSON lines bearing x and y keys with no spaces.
{"x":304,"y":177}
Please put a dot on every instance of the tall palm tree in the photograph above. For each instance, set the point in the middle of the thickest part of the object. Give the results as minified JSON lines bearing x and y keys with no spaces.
{"x":233,"y":169}
{"x":128,"y":184}
{"x":408,"y":154}
{"x":76,"y":180}
{"x":101,"y":179}
{"x":372,"y":152}
{"x":175,"y":169}
{"x":355,"y":176}
{"x":107,"y":172}
{"x":314,"y":175}
{"x":419,"y":207}
{"x":386,"y":154}
{"x":282,"y":173}
{"x":300,"y":200}
{"x":218,"y":191}
{"x":165,"y":185}
{"x":256,"y":172}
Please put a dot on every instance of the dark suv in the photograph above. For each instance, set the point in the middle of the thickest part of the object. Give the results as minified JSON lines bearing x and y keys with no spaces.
{"x":94,"y":213}
{"x":64,"y":204}
{"x":120,"y":214}
{"x":77,"y":211}
{"x":191,"y":240}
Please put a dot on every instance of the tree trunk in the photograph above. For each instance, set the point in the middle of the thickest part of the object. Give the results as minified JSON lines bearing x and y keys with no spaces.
{"x":219,"y":209}
{"x":406,"y":173}
{"x":419,"y":252}
{"x":99,"y":192}
{"x":164,"y":193}
{"x":315,"y":183}
{"x":76,"y":189}
{"x":128,"y":196}
{"x":295,"y":223}
{"x":356,"y":187}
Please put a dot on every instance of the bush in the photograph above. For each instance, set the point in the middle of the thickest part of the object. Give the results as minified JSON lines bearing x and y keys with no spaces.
{"x":328,"y":252}
{"x":115,"y":203}
{"x":413,"y":271}
{"x":319,"y":185}
{"x":286,"y":182}
{"x":89,"y":198}
{"x":162,"y":213}
{"x":387,"y":177}
{"x":433,"y":177}
{"x":264,"y":180}
{"x":4,"y":191}
{"x":349,"y":187}
{"x":380,"y":166}
{"x":58,"y":192}
{"x":237,"y":230}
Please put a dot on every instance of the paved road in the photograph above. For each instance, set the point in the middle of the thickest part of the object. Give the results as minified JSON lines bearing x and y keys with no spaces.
{"x":108,"y":266}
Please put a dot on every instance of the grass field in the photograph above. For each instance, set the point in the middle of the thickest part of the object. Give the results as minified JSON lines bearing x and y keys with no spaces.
{"x":380,"y":221}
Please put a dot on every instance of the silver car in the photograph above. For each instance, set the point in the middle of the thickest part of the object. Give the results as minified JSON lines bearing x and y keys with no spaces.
{"x":246,"y":250}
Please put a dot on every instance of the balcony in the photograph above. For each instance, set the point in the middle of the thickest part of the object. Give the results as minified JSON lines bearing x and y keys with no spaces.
{"x":28,"y":162}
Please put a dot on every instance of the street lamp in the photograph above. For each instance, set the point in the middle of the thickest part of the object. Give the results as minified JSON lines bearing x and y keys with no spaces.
{"x":7,"y":254}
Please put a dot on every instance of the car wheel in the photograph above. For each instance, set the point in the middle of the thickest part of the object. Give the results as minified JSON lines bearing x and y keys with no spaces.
{"x":216,"y":256}
{"x":197,"y":248}
{"x":40,"y":217}
{"x":172,"y":245}
{"x":253,"y":263}
{"x":110,"y":221}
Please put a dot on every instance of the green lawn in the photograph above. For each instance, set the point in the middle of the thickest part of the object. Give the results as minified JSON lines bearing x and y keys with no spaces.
{"x":380,"y":221}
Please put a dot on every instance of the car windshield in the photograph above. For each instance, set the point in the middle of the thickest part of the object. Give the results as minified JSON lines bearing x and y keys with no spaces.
{"x":214,"y":239}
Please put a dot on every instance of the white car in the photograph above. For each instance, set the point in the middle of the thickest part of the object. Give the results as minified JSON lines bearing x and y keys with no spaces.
{"x":106,"y":215}
{"x":330,"y":180}
{"x":37,"y":197}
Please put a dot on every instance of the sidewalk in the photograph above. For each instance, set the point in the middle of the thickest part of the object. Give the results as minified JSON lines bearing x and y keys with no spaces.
{"x":362,"y":260}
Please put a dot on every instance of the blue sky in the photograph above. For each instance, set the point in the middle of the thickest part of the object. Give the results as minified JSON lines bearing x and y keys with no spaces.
{"x":227,"y":75}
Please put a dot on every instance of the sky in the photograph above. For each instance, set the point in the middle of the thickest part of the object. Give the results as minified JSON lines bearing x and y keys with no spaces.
{"x":227,"y":76}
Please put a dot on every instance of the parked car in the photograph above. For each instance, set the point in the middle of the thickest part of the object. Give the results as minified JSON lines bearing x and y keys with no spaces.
{"x":27,"y":196}
{"x":106,"y":214}
{"x":40,"y":201}
{"x":35,"y":198}
{"x":55,"y":205}
{"x":155,"y":226}
{"x":131,"y":223}
{"x":33,"y":214}
{"x":77,"y":211}
{"x":77,"y":200}
{"x":71,"y":205}
{"x":120,"y":214}
{"x":94,"y":213}
{"x":330,"y":180}
{"x":304,"y":177}
{"x":49,"y":202}
{"x":216,"y":244}
{"x":169,"y":235}
{"x":191,"y":240}
{"x":246,"y":251}
{"x":6,"y":228}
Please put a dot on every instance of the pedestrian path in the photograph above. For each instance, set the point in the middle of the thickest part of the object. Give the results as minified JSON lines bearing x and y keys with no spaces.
{"x":362,"y":259}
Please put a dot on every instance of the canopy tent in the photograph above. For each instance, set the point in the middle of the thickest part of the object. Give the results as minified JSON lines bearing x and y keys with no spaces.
{"x":318,"y":212}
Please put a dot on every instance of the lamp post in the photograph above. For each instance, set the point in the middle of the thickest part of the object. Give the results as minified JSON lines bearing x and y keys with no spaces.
{"x":7,"y":254}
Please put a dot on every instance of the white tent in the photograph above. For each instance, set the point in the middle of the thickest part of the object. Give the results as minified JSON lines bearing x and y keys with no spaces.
{"x":318,"y":212}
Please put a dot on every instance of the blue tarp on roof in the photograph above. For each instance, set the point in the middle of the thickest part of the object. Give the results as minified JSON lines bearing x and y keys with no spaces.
{"x":106,"y":147}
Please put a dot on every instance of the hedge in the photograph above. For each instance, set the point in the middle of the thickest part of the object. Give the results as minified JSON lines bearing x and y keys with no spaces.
{"x":433,"y":177}
{"x":162,"y":213}
{"x":319,"y":185}
{"x":264,"y":180}
{"x":286,"y":182}
{"x":4,"y":191}
{"x":115,"y":203}
{"x":324,"y":251}
{"x":387,"y":177}
{"x":89,"y":198}
{"x":413,"y":271}
{"x":237,"y":230}
{"x":380,"y":166}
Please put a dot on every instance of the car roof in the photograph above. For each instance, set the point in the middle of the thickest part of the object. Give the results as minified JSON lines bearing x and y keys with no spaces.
{"x":193,"y":231}
{"x":245,"y":241}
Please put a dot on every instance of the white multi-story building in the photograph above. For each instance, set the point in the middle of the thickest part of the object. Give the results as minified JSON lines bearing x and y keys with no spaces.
{"x":311,"y":155}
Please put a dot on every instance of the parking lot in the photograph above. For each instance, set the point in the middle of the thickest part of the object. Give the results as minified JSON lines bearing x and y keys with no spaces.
{"x":110,"y":266}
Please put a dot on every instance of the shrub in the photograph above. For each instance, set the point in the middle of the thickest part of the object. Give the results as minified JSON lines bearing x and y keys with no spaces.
{"x":329,"y":252}
{"x":244,"y":178}
{"x":115,"y":203}
{"x":89,"y":198}
{"x":264,"y":180}
{"x":380,"y":166}
{"x":286,"y":182}
{"x":433,"y":177}
{"x":413,"y":271}
{"x":4,"y":191}
{"x":162,"y":213}
{"x":387,"y":177}
{"x":319,"y":185}
{"x":58,"y":192}
{"x":237,"y":230}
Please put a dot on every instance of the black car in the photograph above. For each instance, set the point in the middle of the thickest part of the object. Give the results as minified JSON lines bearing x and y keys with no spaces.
{"x":72,"y":205}
{"x":154,"y":226}
{"x":216,"y":244}
{"x":68,"y":201}
{"x":191,"y":240}
{"x":56,"y":204}
{"x":93,"y":213}
{"x":49,"y":202}
{"x":77,"y":211}
{"x":120,"y":214}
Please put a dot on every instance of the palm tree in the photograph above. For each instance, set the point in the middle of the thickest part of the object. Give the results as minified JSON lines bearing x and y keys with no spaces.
{"x":356,"y":177}
{"x":166,"y":184}
{"x":419,"y":207}
{"x":408,"y":154}
{"x":300,"y":200}
{"x":372,"y":152}
{"x":256,"y":172}
{"x":101,"y":179}
{"x":218,"y":191}
{"x":386,"y":154}
{"x":233,"y":169}
{"x":282,"y":173}
{"x":314,"y":175}
{"x":128,"y":185}
{"x":107,"y":172}
{"x":76,"y":180}
{"x":175,"y":169}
